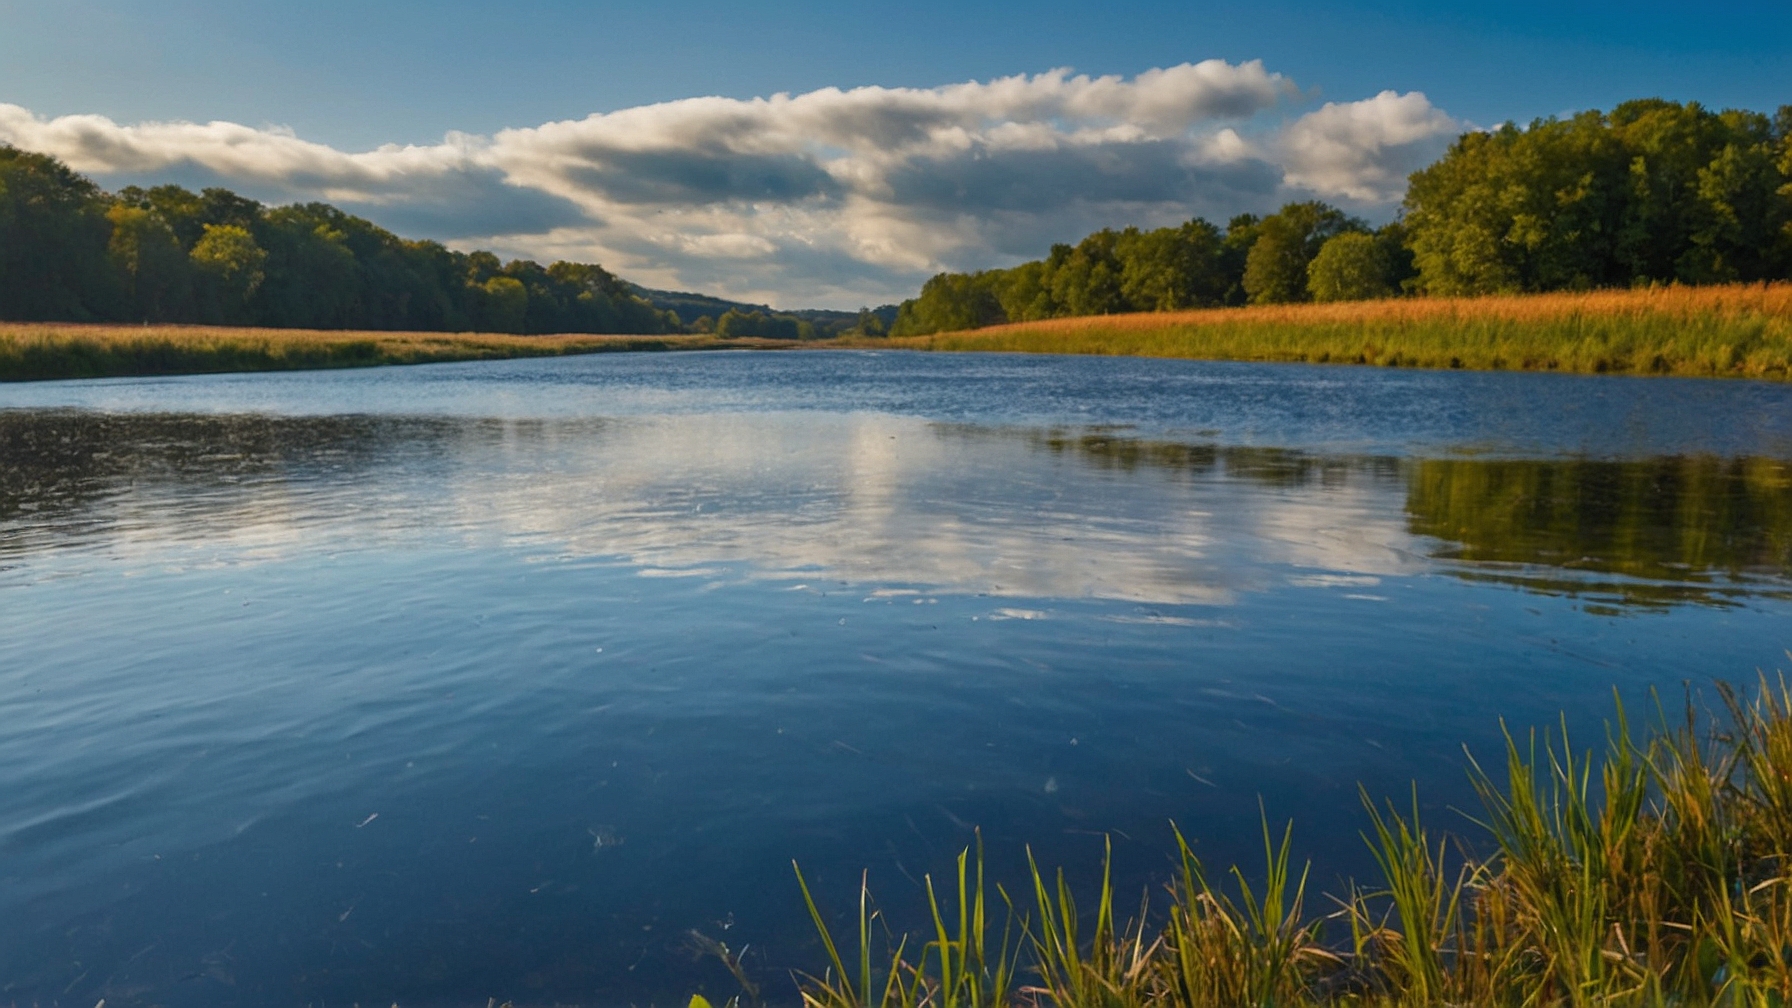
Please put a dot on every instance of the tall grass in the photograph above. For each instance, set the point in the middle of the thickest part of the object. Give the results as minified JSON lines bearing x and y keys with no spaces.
{"x":1652,"y":873}
{"x":36,"y":351}
{"x":1737,"y":330}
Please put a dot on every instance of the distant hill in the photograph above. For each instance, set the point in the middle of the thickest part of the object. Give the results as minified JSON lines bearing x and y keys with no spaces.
{"x":689,"y":307}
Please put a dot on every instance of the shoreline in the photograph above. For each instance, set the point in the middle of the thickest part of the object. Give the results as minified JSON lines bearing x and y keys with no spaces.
{"x":1721,"y":331}
{"x":1651,"y":870}
{"x":61,"y":351}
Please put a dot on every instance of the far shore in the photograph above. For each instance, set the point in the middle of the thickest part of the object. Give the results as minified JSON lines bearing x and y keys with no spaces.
{"x":44,"y":351}
{"x":1736,"y":330}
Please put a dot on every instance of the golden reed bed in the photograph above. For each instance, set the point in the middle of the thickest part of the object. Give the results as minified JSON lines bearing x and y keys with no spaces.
{"x":46,"y":350}
{"x":1738,"y":330}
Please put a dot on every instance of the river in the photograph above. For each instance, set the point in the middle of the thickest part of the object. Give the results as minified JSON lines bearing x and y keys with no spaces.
{"x":432,"y":684}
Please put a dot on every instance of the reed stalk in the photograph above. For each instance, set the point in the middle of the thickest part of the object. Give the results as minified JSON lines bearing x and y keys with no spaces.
{"x":1654,"y":871}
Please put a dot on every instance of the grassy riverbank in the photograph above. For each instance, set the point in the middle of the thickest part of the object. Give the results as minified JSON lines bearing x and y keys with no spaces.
{"x":1721,"y":331}
{"x":1733,"y":330}
{"x":1656,"y":874}
{"x":46,"y":350}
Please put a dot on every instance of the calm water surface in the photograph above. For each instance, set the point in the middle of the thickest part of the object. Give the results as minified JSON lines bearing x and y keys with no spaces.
{"x":442,"y":683}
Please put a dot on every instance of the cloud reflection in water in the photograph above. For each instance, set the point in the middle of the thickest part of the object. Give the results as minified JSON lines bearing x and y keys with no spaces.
{"x":874,"y":500}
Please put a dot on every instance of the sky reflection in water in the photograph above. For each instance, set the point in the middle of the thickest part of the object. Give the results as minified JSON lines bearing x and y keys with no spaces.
{"x":446,"y":683}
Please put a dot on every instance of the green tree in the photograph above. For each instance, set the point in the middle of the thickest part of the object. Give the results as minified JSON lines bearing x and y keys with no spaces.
{"x":1783,"y":129}
{"x":1395,"y":248}
{"x":869,"y":323}
{"x":54,"y":260}
{"x":1657,"y":191}
{"x":1350,"y":267}
{"x":735,"y":323}
{"x":1235,"y":252}
{"x":313,"y":278}
{"x":1087,"y":280}
{"x":1703,"y":205}
{"x":1742,"y":216}
{"x":1024,"y":293}
{"x":156,"y":273}
{"x":1107,"y":272}
{"x":229,"y":264}
{"x":178,"y":208}
{"x":1519,"y":210}
{"x":1171,"y":268}
{"x":1287,"y":240}
{"x":949,"y":302}
{"x":68,"y":251}
{"x":506,"y":304}
{"x":584,"y":297}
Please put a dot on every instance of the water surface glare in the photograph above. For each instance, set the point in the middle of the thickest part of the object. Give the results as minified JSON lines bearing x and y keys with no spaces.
{"x":427,"y":685}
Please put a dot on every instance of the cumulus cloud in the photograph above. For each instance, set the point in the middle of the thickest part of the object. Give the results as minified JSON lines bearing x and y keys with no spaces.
{"x":95,"y":144}
{"x":1365,"y":150}
{"x":831,"y":196}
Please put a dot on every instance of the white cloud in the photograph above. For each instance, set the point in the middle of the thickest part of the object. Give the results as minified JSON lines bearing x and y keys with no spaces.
{"x":832,"y":196}
{"x":97,"y":145}
{"x":1365,"y":150}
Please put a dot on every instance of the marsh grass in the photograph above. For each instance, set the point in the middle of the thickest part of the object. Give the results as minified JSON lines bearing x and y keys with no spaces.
{"x":1652,"y":873}
{"x":37,"y":351}
{"x":1737,"y":330}
{"x":957,"y":966}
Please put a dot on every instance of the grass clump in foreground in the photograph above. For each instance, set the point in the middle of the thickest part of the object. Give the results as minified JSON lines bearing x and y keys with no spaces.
{"x":1736,"y":330}
{"x":1656,"y":874}
{"x":49,"y":350}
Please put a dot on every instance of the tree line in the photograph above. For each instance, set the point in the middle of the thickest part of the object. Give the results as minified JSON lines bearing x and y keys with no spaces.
{"x":70,"y":251}
{"x":1652,"y":192}
{"x":807,"y":324}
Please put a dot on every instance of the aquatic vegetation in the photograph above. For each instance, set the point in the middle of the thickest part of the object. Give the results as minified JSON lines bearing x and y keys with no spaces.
{"x":1734,"y":330}
{"x":48,"y":350}
{"x":1654,"y":873}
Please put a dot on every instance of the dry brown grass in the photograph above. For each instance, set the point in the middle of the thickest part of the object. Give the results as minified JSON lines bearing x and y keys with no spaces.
{"x":1740,"y":330}
{"x":46,"y":350}
{"x":1683,"y":302}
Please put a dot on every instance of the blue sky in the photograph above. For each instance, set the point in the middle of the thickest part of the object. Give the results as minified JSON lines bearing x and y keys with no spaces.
{"x":351,"y":76}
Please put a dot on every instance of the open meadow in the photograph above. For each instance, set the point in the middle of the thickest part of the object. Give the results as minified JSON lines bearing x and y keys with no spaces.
{"x":1737,"y":330}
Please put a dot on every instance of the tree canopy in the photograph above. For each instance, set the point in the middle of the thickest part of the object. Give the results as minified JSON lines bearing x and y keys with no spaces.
{"x":1353,"y":266}
{"x":1275,"y":269}
{"x":72,"y":252}
{"x":1653,"y":192}
{"x":1656,"y":191}
{"x":1194,"y":265}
